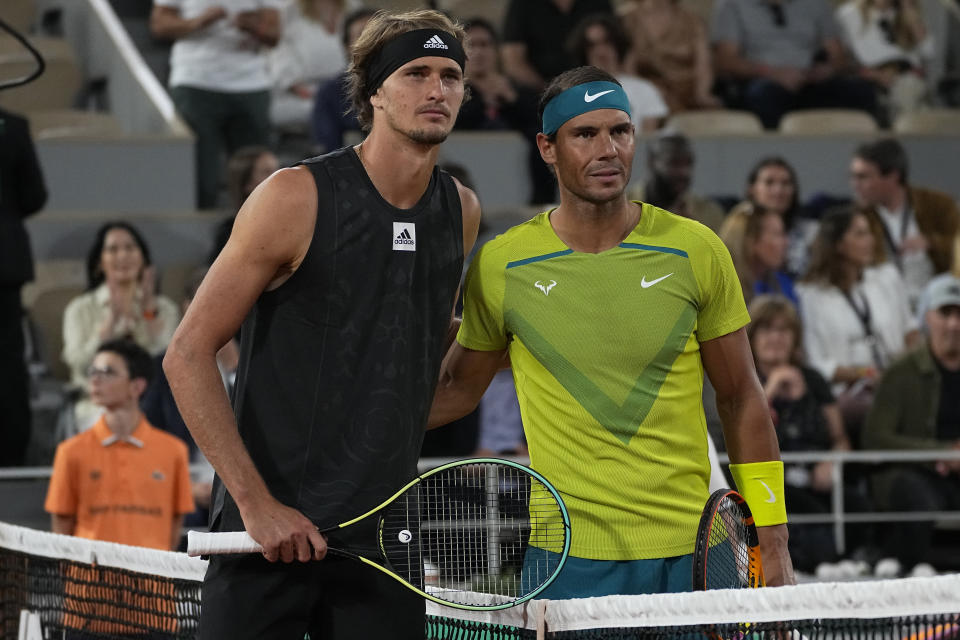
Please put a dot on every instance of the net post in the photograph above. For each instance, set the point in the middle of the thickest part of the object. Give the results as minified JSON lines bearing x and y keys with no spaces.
{"x":836,"y":473}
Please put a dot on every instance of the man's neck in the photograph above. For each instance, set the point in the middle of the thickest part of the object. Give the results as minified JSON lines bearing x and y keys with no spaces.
{"x":593,"y":228}
{"x":122,"y":421}
{"x":399,"y":168}
{"x":896,"y":201}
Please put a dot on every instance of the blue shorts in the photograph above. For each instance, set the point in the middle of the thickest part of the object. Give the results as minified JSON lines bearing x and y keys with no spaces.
{"x":585,"y":578}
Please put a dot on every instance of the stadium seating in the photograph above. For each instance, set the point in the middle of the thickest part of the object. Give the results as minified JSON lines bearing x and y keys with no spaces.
{"x":827,"y":122}
{"x":715,"y":122}
{"x":933,"y":121}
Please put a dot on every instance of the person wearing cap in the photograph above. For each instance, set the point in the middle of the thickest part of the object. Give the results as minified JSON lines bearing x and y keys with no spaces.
{"x":610,"y":310}
{"x":344,"y":270}
{"x":916,"y":408}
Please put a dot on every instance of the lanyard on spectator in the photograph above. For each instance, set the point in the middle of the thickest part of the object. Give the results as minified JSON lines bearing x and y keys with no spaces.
{"x":863,"y":314}
{"x":894,"y":245}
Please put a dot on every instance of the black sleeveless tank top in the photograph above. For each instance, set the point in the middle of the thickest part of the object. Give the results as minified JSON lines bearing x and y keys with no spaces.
{"x":339,"y":364}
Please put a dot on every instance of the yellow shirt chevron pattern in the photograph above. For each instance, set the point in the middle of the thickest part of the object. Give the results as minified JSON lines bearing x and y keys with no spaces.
{"x":605,"y":350}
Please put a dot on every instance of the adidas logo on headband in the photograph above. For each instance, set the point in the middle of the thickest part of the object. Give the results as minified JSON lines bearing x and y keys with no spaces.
{"x":434,"y":42}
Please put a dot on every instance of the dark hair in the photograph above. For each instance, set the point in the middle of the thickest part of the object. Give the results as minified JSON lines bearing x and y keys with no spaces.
{"x":888,"y":154}
{"x":568,"y":80}
{"x":826,"y":265}
{"x":383,"y":27}
{"x":239,"y":169}
{"x":577,"y":42}
{"x":353,"y":16}
{"x":482,"y":23}
{"x":94,"y":272}
{"x":139,"y":362}
{"x":777,"y":161}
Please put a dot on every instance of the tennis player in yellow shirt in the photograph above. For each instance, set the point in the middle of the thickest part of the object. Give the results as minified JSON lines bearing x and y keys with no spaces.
{"x":610,"y":312}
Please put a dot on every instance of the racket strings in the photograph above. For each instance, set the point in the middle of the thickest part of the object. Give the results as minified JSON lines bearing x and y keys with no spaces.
{"x":475,"y":530}
{"x":728,"y":549}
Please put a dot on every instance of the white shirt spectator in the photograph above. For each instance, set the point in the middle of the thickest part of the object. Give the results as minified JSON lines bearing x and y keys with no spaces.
{"x":833,"y":333}
{"x":221,"y":57}
{"x":646,"y":102}
{"x":306,"y":55}
{"x":869,"y":43}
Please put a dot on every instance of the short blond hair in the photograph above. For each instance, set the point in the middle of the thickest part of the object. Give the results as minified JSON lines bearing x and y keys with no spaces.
{"x":383,"y":27}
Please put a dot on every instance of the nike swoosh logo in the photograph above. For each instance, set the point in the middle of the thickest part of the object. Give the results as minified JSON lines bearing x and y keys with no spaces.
{"x":645,"y":284}
{"x":773,"y":498}
{"x":590,"y":98}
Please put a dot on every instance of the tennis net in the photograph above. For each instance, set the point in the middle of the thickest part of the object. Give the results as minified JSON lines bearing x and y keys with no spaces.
{"x":906,"y":609}
{"x":55,"y":586}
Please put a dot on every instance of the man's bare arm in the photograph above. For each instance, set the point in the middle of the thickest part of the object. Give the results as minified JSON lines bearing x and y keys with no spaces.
{"x":63,"y":524}
{"x":464,"y":376}
{"x":263,"y":24}
{"x":748,"y":432}
{"x":269,"y":240}
{"x":167,"y":23}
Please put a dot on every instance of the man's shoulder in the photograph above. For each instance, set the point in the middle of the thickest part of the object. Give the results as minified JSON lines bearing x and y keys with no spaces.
{"x":912,"y":364}
{"x":76,"y":447}
{"x":924,"y":198}
{"x":683,"y":233}
{"x":164,"y":442}
{"x":519,"y":242}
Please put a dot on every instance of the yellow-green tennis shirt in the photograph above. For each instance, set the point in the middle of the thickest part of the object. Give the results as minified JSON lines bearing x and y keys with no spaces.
{"x":605,"y":351}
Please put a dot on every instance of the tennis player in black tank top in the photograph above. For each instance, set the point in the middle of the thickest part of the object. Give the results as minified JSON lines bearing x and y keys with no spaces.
{"x":343,"y":271}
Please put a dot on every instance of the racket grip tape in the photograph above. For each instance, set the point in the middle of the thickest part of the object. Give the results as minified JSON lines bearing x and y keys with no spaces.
{"x":203,"y":544}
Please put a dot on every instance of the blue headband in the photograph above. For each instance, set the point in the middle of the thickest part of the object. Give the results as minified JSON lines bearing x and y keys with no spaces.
{"x":582,"y":98}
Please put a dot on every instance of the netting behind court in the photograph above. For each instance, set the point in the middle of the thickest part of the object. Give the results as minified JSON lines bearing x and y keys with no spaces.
{"x":57,"y":585}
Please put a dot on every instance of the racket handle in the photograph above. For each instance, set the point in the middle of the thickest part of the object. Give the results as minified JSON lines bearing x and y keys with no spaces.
{"x":203,"y":544}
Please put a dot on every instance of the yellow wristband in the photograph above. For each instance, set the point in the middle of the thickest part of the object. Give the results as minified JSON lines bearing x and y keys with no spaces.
{"x":761,"y":485}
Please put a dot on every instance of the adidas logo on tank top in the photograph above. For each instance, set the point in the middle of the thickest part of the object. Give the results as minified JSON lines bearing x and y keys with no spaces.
{"x":404,"y":236}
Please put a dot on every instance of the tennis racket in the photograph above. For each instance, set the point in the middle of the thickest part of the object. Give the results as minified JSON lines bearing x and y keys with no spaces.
{"x":479,"y":534}
{"x":727,"y":553}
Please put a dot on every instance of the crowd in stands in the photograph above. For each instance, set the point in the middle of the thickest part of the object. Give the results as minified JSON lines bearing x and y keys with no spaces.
{"x":855,"y":306}
{"x":286,"y":61}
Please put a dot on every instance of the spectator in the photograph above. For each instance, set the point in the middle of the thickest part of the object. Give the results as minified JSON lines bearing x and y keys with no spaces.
{"x":806,"y":418}
{"x":123,"y":480}
{"x":782,"y":56}
{"x":758,"y":245}
{"x":600,"y":41}
{"x":120,"y":302}
{"x":890,"y":41}
{"x":917,"y":225}
{"x":308,"y":54}
{"x":856,"y":316}
{"x":671,"y":47}
{"x":22,"y":193}
{"x":917,"y":408}
{"x":533,"y":35}
{"x":772,"y":185}
{"x":498,"y":103}
{"x":219,"y":79}
{"x":670,"y":161}
{"x":332,"y":115}
{"x":246,"y":168}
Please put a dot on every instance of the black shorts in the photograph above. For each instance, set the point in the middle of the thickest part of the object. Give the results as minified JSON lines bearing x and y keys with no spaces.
{"x":244,"y":596}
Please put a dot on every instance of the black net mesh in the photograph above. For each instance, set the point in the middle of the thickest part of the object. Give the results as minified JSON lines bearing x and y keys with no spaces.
{"x":80,"y":600}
